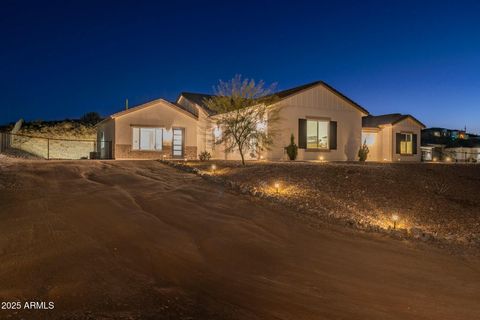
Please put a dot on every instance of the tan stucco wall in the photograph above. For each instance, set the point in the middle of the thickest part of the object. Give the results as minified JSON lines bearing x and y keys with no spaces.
{"x":375,"y":149}
{"x":322,"y":103}
{"x":160,"y":114}
{"x":108,"y":128}
{"x":407,"y":125}
{"x":204,"y":140}
{"x":385,"y":140}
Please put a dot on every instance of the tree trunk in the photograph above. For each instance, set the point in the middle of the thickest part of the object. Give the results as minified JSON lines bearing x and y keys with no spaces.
{"x":241,"y":155}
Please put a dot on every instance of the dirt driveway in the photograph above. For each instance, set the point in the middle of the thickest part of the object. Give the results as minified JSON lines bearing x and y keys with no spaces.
{"x":140,"y":240}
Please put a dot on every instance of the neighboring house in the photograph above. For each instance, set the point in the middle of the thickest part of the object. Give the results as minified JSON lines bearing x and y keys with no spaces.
{"x":441,"y":144}
{"x":326,"y":124}
{"x":392,"y":137}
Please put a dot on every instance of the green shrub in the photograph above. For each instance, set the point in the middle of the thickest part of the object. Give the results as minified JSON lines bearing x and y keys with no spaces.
{"x":292,"y":149}
{"x":363,"y":152}
{"x":204,"y":156}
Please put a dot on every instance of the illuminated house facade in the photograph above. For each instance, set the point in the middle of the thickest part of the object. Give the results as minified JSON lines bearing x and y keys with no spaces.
{"x":392,"y":137}
{"x":326,"y":125}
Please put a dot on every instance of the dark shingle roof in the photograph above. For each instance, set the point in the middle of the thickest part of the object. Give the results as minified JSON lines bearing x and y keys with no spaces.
{"x":199,"y":98}
{"x":191,"y":110}
{"x":392,"y":118}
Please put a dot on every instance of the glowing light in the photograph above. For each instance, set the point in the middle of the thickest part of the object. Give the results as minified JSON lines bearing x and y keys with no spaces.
{"x":261,"y":157}
{"x":214,"y":167}
{"x":435,"y":159}
{"x":185,"y":159}
{"x":321,"y":158}
{"x":277,"y":187}
{"x":385,"y":159}
{"x":448,"y":159}
{"x":395,"y":218}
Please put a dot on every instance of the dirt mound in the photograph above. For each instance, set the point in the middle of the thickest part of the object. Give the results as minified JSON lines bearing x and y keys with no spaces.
{"x":438,"y":200}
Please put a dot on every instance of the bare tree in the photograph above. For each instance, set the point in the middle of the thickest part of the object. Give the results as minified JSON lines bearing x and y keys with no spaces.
{"x":244,"y":112}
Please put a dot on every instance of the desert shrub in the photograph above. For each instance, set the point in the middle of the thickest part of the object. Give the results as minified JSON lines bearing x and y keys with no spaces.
{"x":292,"y":148}
{"x":363,"y":152}
{"x":205,"y":156}
{"x":91,"y":118}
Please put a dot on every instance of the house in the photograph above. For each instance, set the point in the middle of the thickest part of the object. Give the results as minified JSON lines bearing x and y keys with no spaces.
{"x":392,"y":137}
{"x":441,"y":144}
{"x":326,"y":124}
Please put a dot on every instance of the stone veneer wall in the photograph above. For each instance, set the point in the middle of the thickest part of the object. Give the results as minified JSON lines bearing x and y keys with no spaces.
{"x":124,"y":151}
{"x":191,"y":153}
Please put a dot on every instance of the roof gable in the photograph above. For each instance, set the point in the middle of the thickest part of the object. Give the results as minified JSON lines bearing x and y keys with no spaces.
{"x":297,"y":90}
{"x":387,"y":119}
{"x":156,"y":102}
{"x":199,"y":98}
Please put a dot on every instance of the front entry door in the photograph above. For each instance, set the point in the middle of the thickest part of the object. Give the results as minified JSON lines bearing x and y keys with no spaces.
{"x":178,"y":142}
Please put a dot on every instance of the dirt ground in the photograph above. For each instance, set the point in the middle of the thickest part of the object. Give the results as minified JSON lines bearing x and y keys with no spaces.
{"x":441,"y":199}
{"x":142,"y":240}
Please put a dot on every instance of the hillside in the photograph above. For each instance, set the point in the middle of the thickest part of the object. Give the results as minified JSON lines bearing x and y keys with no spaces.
{"x":65,"y":139}
{"x":63,"y":129}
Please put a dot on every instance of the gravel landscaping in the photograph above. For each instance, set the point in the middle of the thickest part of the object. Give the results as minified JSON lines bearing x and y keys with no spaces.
{"x":433,"y":202}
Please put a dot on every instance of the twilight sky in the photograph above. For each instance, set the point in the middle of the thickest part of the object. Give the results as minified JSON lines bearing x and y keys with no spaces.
{"x":61,"y":59}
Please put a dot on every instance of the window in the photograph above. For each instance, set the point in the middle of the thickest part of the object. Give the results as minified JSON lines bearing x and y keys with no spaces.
{"x":317,"y":134}
{"x":369,"y":138}
{"x":406,"y":143}
{"x":147,"y":139}
{"x":217,"y":133}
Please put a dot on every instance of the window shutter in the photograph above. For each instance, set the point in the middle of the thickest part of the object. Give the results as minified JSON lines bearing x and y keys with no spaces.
{"x":332,"y":137}
{"x":398,"y":141}
{"x":302,"y":133}
{"x":414,"y":143}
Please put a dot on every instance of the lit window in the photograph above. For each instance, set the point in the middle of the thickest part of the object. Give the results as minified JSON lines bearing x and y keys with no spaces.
{"x":369,"y":138}
{"x":317,"y":134}
{"x":217,"y":133}
{"x":406,"y":143}
{"x":147,"y":139}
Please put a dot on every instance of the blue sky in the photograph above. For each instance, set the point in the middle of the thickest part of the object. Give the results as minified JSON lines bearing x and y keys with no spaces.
{"x":62,"y":59}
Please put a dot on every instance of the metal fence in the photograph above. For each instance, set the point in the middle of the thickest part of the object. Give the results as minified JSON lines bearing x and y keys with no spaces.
{"x":54,"y":148}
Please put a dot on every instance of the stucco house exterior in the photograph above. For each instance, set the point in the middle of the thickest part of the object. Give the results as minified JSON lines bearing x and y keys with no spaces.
{"x":392,"y":137}
{"x":326,"y":125}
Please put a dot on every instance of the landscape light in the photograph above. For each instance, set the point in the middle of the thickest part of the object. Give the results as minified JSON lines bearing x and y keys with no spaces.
{"x":277,"y":186}
{"x":261,"y":157}
{"x":434,"y":159}
{"x":321,"y":158}
{"x":448,"y":159}
{"x":395,"y":218}
{"x":185,"y":159}
{"x":214,"y":167}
